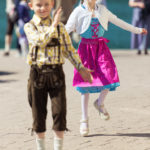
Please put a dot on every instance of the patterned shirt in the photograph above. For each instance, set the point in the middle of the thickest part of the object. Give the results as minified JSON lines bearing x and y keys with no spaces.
{"x":39,"y":33}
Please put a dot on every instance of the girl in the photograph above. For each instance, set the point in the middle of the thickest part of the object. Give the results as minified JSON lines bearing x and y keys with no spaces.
{"x":90,"y":20}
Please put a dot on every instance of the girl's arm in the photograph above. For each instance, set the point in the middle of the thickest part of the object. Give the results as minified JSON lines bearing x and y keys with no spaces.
{"x":124,"y":25}
{"x":136,"y":4}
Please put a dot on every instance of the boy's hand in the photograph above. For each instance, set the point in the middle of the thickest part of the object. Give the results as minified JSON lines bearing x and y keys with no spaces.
{"x":86,"y":74}
{"x":57,"y":17}
{"x":144,"y":31}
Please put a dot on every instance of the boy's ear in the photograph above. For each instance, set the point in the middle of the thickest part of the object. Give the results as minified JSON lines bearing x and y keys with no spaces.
{"x":30,"y":5}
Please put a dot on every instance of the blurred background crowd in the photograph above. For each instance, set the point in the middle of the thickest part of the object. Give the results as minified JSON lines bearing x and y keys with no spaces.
{"x":15,"y":13}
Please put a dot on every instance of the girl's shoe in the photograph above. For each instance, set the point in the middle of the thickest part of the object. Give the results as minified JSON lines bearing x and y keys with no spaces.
{"x":84,"y":130}
{"x":102,"y":111}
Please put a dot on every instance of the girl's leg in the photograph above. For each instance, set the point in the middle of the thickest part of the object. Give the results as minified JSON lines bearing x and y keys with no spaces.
{"x":58,"y":140}
{"x":99,"y":105}
{"x":102,"y":97}
{"x":84,"y":117}
{"x":84,"y":105}
{"x":40,"y":141}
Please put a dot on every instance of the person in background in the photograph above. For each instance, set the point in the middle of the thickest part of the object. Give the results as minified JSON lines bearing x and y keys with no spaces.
{"x":67,"y":7}
{"x":12,"y":18}
{"x":23,"y":17}
{"x":90,"y":20}
{"x":66,"y":10}
{"x":142,"y":20}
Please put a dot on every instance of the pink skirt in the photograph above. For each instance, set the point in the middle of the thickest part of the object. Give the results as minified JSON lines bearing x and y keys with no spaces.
{"x":95,"y":55}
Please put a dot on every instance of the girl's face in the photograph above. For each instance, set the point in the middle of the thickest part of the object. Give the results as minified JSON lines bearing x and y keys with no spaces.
{"x":41,"y":8}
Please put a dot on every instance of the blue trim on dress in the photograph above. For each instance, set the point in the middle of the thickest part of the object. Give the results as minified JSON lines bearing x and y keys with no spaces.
{"x":97,"y":89}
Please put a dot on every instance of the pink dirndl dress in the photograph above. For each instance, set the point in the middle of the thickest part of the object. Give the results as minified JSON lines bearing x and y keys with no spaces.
{"x":95,"y":55}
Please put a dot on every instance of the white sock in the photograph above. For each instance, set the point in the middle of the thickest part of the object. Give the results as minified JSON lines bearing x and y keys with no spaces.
{"x":102,"y":97}
{"x":58,"y":143}
{"x":84,"y":105}
{"x":40,"y":142}
{"x":84,"y":108}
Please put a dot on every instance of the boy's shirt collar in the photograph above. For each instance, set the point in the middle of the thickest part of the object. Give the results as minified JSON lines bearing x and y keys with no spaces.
{"x":37,"y":20}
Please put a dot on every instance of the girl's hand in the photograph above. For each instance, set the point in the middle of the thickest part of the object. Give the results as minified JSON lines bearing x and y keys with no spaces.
{"x":86,"y":74}
{"x":144,"y":31}
{"x":141,"y":4}
{"x":57,"y":17}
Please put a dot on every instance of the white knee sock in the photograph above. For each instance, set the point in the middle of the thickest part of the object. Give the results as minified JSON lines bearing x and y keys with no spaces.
{"x":40,"y":142}
{"x":58,"y":143}
{"x":102,"y":97}
{"x":84,"y":105}
{"x":84,"y":109}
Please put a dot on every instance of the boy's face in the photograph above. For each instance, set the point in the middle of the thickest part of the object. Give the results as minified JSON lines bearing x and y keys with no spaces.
{"x":41,"y":8}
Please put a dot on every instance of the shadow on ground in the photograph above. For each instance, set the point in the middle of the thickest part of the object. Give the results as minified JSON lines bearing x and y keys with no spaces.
{"x":2,"y":73}
{"x":7,"y":81}
{"x":123,"y":134}
{"x":5,"y":73}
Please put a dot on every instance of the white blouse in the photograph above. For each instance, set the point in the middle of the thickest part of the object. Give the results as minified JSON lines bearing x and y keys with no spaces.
{"x":80,"y":19}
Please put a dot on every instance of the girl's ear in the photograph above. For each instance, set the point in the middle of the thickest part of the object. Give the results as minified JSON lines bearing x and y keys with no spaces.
{"x":30,"y":5}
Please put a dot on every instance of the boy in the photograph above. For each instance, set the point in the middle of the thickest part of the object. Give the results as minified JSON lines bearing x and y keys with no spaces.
{"x":46,"y":75}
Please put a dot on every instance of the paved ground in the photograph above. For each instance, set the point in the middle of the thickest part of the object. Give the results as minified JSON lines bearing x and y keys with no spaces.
{"x":129,"y":107}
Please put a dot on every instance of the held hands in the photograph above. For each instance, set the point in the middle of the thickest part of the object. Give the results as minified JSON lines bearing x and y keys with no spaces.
{"x":144,"y":31}
{"x":86,"y":74}
{"x":57,"y":17}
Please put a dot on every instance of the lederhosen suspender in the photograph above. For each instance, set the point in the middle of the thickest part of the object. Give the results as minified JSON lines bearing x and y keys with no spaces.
{"x":58,"y":29}
{"x":52,"y":43}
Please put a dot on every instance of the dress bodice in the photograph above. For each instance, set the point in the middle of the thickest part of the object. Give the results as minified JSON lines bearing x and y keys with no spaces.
{"x":94,"y":31}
